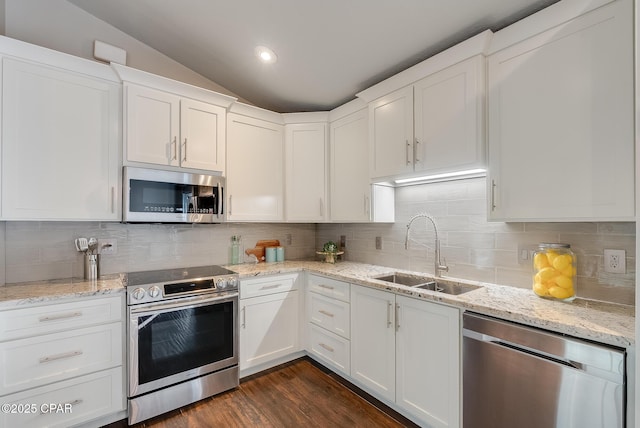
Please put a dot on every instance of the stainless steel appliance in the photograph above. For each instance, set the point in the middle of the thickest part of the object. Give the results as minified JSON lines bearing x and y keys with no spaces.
{"x":157,"y":196}
{"x":517,"y":376}
{"x":183,"y":337}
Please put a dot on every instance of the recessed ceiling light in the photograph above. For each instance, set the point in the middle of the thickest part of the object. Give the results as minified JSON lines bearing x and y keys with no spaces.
{"x":266,"y":55}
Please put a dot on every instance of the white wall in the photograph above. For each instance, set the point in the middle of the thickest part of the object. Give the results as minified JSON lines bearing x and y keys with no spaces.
{"x":478,"y":250}
{"x":62,"y":26}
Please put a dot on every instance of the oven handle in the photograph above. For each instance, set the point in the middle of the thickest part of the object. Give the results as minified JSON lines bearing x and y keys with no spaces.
{"x":180,"y":304}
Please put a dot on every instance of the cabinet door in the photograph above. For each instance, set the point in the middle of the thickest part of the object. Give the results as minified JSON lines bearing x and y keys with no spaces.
{"x":268,"y":328}
{"x":373,"y":349}
{"x":255,"y":178}
{"x":449,"y":117}
{"x":306,"y":172}
{"x":152,"y":123}
{"x":428,"y":361}
{"x":202,"y":135}
{"x":561,"y":126}
{"x":391,"y":134}
{"x":350,"y":191}
{"x":60,"y":144}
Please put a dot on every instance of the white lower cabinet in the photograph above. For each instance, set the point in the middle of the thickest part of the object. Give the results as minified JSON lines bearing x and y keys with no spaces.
{"x":407,"y":351}
{"x":64,"y":361}
{"x":269,"y":320}
{"x":328,"y":322}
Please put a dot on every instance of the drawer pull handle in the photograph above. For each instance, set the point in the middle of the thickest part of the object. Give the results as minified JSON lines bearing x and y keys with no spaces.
{"x":270,"y":287}
{"x":327,"y":347}
{"x":329,"y":314}
{"x":74,"y":402}
{"x":60,"y":316}
{"x":328,"y":287}
{"x":60,"y":356}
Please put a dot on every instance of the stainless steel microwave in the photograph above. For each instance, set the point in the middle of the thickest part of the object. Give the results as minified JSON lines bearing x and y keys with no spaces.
{"x":157,"y":196}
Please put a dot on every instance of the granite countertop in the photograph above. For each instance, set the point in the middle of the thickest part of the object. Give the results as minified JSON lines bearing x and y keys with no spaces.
{"x":599,"y":321}
{"x":32,"y":293}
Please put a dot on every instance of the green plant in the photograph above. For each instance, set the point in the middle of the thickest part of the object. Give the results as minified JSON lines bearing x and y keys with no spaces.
{"x":330,"y":247}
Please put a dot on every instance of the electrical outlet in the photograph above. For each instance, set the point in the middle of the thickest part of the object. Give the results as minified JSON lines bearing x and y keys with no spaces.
{"x":107,"y":246}
{"x":614,"y":261}
{"x":378,"y":243}
{"x":288,"y":239}
{"x":343,"y":241}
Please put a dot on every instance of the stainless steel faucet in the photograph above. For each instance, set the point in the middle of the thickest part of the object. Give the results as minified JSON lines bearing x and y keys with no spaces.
{"x":438,"y":265}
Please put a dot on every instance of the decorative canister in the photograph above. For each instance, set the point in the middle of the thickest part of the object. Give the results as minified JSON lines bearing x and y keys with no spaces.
{"x":555,"y":272}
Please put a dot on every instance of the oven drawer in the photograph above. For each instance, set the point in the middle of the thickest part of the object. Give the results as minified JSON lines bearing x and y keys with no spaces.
{"x":329,"y":287}
{"x":36,"y":361}
{"x":25,"y":322}
{"x":330,"y":348}
{"x":80,"y":399}
{"x":255,"y":287}
{"x":331,"y":314}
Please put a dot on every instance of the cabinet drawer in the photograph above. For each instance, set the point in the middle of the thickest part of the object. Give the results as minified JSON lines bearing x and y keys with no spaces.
{"x":79,"y":400}
{"x":25,"y":322}
{"x":330,"y":314}
{"x":268,"y":285}
{"x":333,"y":349}
{"x":329,"y":287}
{"x":36,"y":361}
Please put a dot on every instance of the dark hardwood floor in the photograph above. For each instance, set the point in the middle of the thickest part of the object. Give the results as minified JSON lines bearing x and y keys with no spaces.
{"x":301,"y":393}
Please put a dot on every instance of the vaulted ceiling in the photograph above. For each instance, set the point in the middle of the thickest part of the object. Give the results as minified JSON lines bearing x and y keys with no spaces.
{"x":327,"y":50}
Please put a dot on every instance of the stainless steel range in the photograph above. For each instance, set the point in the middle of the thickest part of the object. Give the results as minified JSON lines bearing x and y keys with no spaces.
{"x":183,"y":337}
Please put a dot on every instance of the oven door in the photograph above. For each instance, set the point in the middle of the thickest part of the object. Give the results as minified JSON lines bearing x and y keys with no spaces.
{"x":184,"y":339}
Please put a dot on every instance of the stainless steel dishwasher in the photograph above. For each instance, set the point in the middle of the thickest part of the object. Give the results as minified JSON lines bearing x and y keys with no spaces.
{"x":517,"y":376}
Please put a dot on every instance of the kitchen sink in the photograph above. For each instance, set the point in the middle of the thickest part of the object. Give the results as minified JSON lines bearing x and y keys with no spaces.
{"x":447,"y":288}
{"x":426,"y":283}
{"x":404,"y":279}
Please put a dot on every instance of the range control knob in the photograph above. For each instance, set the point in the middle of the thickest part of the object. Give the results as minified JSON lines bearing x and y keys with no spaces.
{"x":232,"y":283}
{"x":221,"y":284}
{"x":154,"y":291}
{"x":138,"y":293}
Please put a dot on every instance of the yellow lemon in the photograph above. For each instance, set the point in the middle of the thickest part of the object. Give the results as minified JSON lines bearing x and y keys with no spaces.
{"x":540,"y":289}
{"x":568,"y":271}
{"x":547,"y":273}
{"x":551,"y":256}
{"x":563,"y":281}
{"x":540,"y":261}
{"x":560,"y":293}
{"x":562,"y":261}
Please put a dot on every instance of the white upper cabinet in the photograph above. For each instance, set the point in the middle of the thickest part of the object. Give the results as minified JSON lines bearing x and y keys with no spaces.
{"x":172,"y":124}
{"x":153,"y":123}
{"x":391,"y":123}
{"x":255,"y":160}
{"x":434,"y":123}
{"x":60,"y":136}
{"x":561,"y":125}
{"x":350,"y":192}
{"x":449,"y":118}
{"x":306,"y":168}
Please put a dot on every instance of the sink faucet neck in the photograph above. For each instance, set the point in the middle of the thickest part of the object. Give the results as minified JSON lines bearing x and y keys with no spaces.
{"x":438,"y":265}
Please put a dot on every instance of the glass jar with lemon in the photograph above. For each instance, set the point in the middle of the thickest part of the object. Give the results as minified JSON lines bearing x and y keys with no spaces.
{"x":555,"y":272}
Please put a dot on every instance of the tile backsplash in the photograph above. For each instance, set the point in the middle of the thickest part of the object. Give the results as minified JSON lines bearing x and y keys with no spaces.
{"x":485,"y":251}
{"x":45,"y":250}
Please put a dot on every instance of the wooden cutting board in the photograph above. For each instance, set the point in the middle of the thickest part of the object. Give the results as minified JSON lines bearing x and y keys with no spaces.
{"x":258,"y":250}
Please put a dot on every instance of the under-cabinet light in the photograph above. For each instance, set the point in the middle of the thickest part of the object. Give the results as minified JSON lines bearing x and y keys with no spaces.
{"x":457,"y":175}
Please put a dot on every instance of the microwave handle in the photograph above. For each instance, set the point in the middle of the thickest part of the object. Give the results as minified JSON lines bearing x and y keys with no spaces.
{"x":220,"y":197}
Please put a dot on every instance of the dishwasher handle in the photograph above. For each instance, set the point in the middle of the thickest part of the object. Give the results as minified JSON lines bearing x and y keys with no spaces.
{"x":568,"y":363}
